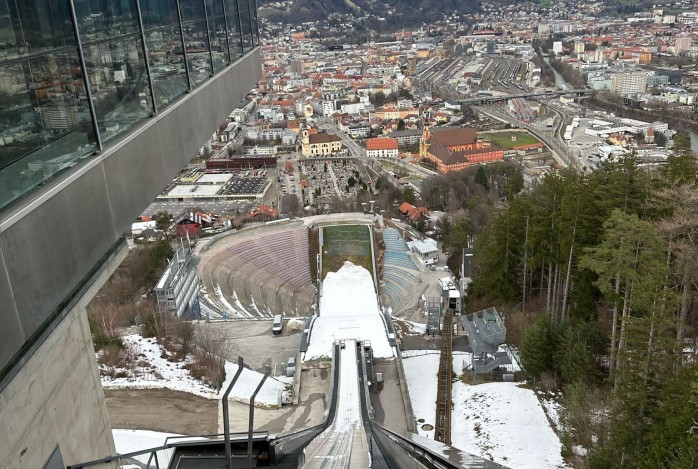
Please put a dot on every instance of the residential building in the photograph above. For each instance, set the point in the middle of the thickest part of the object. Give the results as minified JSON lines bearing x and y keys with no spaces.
{"x":599,"y":82}
{"x":352,"y":108}
{"x":126,"y":114}
{"x":381,"y":148}
{"x":261,"y":150}
{"x":682,"y":44}
{"x":657,"y":80}
{"x":328,"y":108}
{"x":357,"y":130}
{"x":629,"y":82}
{"x":405,"y":103}
{"x":406,"y":137}
{"x":412,"y":213}
{"x":557,"y":47}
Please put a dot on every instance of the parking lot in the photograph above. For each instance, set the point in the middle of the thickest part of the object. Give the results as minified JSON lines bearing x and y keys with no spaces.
{"x":218,"y":207}
{"x":262,"y":350}
{"x":255,"y":343}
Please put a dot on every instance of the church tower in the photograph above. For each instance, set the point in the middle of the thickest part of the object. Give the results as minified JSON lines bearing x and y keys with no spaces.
{"x":424,"y":142}
{"x":305,"y":141}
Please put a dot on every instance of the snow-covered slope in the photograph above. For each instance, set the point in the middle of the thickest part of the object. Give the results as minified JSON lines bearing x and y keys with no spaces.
{"x":348,"y":310}
{"x":502,"y":422}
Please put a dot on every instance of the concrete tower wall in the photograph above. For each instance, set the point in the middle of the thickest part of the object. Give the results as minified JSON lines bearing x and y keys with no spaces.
{"x":54,"y":241}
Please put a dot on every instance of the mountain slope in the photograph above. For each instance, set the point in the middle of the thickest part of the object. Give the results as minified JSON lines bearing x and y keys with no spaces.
{"x":397,"y":13}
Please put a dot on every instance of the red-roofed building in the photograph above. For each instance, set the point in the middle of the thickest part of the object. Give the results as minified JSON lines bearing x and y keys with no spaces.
{"x":413,"y":213}
{"x":381,"y":148}
{"x":264,"y":212}
{"x":457,"y":148}
{"x":447,"y":160}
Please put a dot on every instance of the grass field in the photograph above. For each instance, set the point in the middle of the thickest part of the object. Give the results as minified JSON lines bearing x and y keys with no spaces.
{"x":503,"y":139}
{"x":346,"y":243}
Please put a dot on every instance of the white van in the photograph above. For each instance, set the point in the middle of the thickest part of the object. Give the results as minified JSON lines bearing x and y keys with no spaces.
{"x":278,"y":324}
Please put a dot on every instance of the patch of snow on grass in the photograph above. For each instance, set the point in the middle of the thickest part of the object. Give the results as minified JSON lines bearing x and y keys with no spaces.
{"x":415,"y":328}
{"x":151,"y":371}
{"x":498,"y":421}
{"x":505,"y":423}
{"x":460,"y":360}
{"x":130,"y":441}
{"x":552,"y":410}
{"x":348,"y":310}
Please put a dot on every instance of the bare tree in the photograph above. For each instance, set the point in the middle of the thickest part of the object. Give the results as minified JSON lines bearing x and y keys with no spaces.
{"x":212,"y":346}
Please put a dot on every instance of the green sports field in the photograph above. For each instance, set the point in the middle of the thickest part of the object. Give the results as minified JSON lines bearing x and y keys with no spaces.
{"x":346,"y":243}
{"x":503,"y":139}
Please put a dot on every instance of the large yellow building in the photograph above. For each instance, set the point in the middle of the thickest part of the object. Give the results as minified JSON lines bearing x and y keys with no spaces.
{"x":320,"y":144}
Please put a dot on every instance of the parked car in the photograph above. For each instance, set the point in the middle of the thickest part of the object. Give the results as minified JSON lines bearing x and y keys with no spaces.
{"x":278,"y":324}
{"x":291,"y":367}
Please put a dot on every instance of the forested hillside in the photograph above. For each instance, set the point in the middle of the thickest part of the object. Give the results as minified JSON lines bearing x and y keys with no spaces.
{"x":598,"y":274}
{"x":397,"y":13}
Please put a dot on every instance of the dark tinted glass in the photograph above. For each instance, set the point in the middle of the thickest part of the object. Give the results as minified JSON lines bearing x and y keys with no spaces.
{"x":196,"y":40}
{"x":102,"y":19}
{"x":45,"y":121}
{"x":217,"y":32}
{"x":119,"y":84}
{"x":45,"y":124}
{"x":231,"y":14}
{"x":245,"y":23}
{"x":165,"y":53}
{"x":31,"y":26}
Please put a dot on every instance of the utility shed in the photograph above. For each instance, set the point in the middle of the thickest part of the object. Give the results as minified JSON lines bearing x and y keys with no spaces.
{"x":486,"y":332}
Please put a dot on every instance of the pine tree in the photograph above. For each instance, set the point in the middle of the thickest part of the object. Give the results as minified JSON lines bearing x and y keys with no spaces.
{"x":631,"y":269}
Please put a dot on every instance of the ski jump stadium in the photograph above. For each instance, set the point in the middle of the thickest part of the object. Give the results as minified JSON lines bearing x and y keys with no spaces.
{"x":342,"y":274}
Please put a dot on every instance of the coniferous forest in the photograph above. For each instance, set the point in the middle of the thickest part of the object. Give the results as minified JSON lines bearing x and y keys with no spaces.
{"x":598,"y":273}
